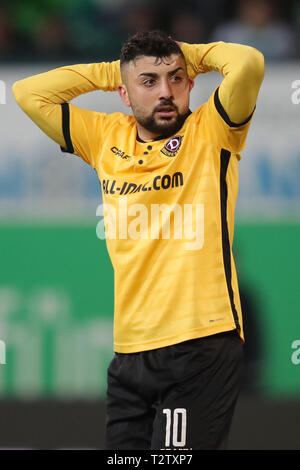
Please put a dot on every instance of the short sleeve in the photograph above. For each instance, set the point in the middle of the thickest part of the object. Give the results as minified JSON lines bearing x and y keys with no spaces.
{"x":219,"y":129}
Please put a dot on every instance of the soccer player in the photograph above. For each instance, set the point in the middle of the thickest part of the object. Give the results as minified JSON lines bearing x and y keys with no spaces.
{"x":169,"y":179}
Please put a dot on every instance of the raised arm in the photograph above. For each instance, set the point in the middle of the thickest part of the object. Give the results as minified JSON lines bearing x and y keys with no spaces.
{"x":43,"y":97}
{"x":243,"y":70}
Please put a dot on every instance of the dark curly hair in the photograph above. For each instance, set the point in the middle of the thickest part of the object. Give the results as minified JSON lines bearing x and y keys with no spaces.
{"x":151,"y":43}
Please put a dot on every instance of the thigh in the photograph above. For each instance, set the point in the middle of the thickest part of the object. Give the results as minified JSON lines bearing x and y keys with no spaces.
{"x":129,"y":418}
{"x":197,"y":411}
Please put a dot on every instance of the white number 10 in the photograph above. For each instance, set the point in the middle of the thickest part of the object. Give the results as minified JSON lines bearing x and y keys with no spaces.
{"x":175,"y":440}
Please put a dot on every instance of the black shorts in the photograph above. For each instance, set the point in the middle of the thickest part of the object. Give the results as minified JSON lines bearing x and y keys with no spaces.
{"x":177,"y":397}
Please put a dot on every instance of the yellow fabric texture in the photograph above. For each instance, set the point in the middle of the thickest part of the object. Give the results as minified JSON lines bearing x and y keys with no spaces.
{"x":175,"y":277}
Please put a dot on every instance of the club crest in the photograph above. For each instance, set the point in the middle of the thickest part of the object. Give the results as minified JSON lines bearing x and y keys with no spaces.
{"x":172,"y":146}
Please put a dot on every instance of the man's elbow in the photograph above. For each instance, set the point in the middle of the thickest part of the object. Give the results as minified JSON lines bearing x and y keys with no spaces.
{"x":20,"y":93}
{"x":255,"y":64}
{"x":17,"y":90}
{"x":25,"y":98}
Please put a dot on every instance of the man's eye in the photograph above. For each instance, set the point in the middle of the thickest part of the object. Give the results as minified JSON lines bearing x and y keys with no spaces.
{"x":176,"y":78}
{"x":149,"y":82}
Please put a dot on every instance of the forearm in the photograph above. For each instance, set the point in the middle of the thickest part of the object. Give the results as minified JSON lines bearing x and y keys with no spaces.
{"x":242,"y":68}
{"x":65,"y":83}
{"x":40,"y":96}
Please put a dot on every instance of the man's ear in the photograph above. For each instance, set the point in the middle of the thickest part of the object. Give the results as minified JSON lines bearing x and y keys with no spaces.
{"x":191,"y":83}
{"x":122,"y":90}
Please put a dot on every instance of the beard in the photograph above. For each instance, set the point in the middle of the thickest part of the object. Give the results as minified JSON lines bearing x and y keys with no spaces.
{"x":163,"y":126}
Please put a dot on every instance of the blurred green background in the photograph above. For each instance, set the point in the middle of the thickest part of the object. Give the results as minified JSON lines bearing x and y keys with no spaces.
{"x":57,"y":299}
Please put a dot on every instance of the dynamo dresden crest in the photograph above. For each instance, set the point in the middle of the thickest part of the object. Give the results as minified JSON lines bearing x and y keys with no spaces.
{"x":172,"y":146}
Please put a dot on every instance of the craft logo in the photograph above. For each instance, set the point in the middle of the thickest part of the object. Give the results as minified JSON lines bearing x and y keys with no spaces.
{"x":172,"y":146}
{"x":120,"y":153}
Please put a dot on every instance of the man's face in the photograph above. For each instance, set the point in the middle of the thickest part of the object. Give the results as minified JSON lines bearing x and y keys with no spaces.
{"x":158,"y":91}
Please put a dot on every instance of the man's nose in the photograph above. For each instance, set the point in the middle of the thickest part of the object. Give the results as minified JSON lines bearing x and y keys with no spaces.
{"x":165,"y":91}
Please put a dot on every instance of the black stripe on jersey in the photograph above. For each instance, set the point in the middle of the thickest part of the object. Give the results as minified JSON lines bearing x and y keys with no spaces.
{"x":225,"y":157}
{"x":223,"y":113}
{"x":66,"y":128}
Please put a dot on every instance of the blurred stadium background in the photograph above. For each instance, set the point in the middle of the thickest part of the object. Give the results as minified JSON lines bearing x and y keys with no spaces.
{"x":56,"y":280}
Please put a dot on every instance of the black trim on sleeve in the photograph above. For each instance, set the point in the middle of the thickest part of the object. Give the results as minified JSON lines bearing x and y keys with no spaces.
{"x":225,"y":157}
{"x":223,"y":113}
{"x":66,"y":128}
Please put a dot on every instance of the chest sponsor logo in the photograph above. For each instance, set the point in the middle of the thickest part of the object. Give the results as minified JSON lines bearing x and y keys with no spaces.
{"x":160,"y":182}
{"x":172,"y":146}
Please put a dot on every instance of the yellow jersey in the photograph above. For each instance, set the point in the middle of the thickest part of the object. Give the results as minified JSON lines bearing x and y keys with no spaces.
{"x":168,"y":204}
